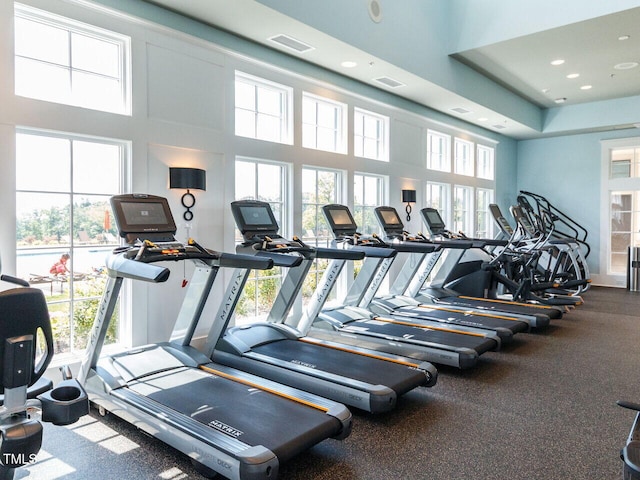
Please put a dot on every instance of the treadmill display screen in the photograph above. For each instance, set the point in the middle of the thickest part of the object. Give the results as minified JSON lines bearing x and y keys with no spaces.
{"x":144,"y":213}
{"x":341,"y":218}
{"x":138,"y":214}
{"x":434,"y":219}
{"x":253,"y":216}
{"x":390,"y":218}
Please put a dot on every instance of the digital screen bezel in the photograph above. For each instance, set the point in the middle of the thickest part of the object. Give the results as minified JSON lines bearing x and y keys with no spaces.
{"x":123,"y":220}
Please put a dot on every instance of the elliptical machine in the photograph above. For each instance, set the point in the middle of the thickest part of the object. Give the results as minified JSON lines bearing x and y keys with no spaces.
{"x":26,"y":350}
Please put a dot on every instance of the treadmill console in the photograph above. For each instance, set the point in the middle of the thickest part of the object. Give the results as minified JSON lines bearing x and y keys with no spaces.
{"x":259,"y":227}
{"x":390,"y":222}
{"x":500,"y":220}
{"x":143,"y":217}
{"x":340,"y":220}
{"x":434,"y":222}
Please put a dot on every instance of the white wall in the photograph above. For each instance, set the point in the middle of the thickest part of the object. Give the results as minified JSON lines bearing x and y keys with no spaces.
{"x":183,"y":116}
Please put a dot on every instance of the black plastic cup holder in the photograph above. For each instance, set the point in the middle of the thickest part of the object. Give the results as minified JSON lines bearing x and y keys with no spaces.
{"x":64,"y":404}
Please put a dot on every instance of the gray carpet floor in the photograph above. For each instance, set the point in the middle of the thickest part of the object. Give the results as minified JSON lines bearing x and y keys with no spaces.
{"x":541,"y":408}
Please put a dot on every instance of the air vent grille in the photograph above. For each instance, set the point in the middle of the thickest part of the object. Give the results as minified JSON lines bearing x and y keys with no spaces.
{"x":389,"y":82}
{"x":499,"y":127}
{"x":291,"y":43}
{"x":460,"y":110}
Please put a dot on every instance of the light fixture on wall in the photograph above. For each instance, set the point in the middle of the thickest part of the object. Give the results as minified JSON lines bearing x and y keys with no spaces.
{"x":408,"y":197}
{"x":188,"y":178}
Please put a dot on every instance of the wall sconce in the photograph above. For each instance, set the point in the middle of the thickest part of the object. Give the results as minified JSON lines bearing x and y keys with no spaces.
{"x":188,"y":178}
{"x":408,"y":197}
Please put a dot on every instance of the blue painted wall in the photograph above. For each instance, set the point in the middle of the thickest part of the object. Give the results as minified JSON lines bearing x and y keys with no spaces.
{"x":566,"y":170}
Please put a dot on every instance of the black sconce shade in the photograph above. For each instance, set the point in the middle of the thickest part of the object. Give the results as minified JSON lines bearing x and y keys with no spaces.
{"x":408,"y":196}
{"x":187,"y":178}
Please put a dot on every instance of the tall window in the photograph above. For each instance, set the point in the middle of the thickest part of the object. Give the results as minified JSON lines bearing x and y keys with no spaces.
{"x":265,"y":181}
{"x":463,"y":161}
{"x":368,"y":193}
{"x":263,"y":109}
{"x":319,"y":187}
{"x":64,"y":226}
{"x":370,"y":135}
{"x":485,"y":162}
{"x":438,"y":197}
{"x":438,"y":151}
{"x":484,"y":220}
{"x":463,"y":209}
{"x":61,"y":60}
{"x":625,"y":216}
{"x":324,"y":124}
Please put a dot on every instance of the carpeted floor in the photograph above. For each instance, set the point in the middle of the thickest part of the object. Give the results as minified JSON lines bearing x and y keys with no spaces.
{"x":542,"y":408}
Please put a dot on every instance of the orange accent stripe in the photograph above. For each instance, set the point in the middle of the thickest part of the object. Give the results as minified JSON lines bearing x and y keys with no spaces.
{"x":424,"y":327}
{"x":364,"y":354}
{"x":262,"y":387}
{"x":473,"y":312}
{"x":507,"y":302}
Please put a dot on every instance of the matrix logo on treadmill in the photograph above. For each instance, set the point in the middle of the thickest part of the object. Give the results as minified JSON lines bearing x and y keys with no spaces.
{"x":224,"y":428}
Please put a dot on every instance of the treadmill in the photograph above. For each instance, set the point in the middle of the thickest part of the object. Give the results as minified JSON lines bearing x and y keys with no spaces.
{"x":453,"y":266}
{"x":353,"y":325}
{"x":360,"y":378}
{"x":227,"y":421}
{"x":416,"y":270}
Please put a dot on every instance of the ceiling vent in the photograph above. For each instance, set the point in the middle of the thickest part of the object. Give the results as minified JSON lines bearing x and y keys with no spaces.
{"x":291,"y":43}
{"x":389,"y":82}
{"x":498,"y":127}
{"x":460,"y":110}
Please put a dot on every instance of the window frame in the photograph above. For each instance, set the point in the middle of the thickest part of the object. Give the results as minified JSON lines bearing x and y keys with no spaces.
{"x":483,"y":211}
{"x":466,"y":223}
{"x":74,"y":27}
{"x":485,"y":154}
{"x":444,"y":210}
{"x":381,"y":195}
{"x":285,"y":118}
{"x":381,"y":140}
{"x":75,"y":247}
{"x":463,"y":162}
{"x":443,"y":163}
{"x":339,"y":128}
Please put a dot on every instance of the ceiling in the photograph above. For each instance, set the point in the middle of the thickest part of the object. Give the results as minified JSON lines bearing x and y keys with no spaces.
{"x":590,"y":48}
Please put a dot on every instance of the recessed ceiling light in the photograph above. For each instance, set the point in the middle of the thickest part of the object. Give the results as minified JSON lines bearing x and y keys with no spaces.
{"x":624,"y":37}
{"x":483,"y":119}
{"x":586,"y":87}
{"x":573,"y":75}
{"x":625,"y":65}
{"x":546,"y":90}
{"x":560,"y":100}
{"x":557,"y":62}
{"x":349,"y":64}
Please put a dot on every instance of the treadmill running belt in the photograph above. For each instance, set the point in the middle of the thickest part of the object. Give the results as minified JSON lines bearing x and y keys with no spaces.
{"x":408,"y":334}
{"x":359,"y":367}
{"x":240,"y":411}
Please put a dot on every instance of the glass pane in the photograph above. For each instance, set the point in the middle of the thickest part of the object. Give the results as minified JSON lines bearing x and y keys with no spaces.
{"x":95,"y":91}
{"x":269,"y":183}
{"x":372,"y":192}
{"x":42,"y":42}
{"x":326,"y":188}
{"x":371,"y":149}
{"x":245,"y":180}
{"x":61,"y":326}
{"x":309,"y":221}
{"x":326,"y":140}
{"x":618,"y":263}
{"x":92,"y":224}
{"x":94,"y":55}
{"x":620,"y":242}
{"x":96,"y":167}
{"x":269,"y":102}
{"x":358,"y":124}
{"x":309,"y":136}
{"x":42,"y":220}
{"x":308,"y":111}
{"x":358,"y":187}
{"x":309,"y":178}
{"x":621,"y":222}
{"x":371,"y":127}
{"x":245,"y":96}
{"x":29,"y":75}
{"x":327,"y":116}
{"x":42,"y":163}
{"x":268,"y":128}
{"x":245,"y":123}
